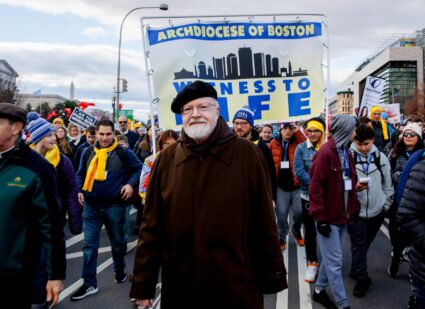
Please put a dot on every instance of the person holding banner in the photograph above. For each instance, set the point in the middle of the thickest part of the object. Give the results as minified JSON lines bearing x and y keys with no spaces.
{"x":380,"y":128}
{"x":208,"y":219}
{"x":288,"y":186}
{"x":243,"y":122}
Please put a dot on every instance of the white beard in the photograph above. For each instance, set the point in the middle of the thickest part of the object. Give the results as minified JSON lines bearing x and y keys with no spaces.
{"x":199,"y":131}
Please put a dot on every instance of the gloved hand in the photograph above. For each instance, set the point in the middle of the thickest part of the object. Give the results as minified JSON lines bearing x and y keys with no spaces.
{"x":324,"y":228}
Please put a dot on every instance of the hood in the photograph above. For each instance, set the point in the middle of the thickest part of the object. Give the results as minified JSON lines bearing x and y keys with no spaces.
{"x":342,"y":127}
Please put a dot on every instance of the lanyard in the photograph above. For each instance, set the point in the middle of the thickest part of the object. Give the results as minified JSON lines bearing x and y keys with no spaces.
{"x":285,"y":150}
{"x":346,"y":164}
{"x":365,"y":169}
{"x":408,"y":154}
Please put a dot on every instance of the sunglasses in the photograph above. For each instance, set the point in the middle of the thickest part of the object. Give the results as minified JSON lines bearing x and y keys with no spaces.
{"x":409,"y":134}
{"x":122,"y":122}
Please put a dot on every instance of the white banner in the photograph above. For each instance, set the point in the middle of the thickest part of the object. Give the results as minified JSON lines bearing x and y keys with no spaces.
{"x":371,"y":95}
{"x":393,"y":111}
{"x":275,"y":69}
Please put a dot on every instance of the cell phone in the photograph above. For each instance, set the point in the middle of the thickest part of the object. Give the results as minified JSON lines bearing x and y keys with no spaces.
{"x":365,"y":180}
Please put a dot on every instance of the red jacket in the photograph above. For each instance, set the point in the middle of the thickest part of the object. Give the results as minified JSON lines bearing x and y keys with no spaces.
{"x":276,"y":148}
{"x":326,"y":189}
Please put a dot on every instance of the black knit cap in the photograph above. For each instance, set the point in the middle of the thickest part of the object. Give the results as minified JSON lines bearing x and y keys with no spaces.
{"x":197,"y":89}
{"x":13,"y":112}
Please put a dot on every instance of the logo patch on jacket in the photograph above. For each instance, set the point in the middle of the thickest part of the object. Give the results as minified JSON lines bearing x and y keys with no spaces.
{"x":17,"y":182}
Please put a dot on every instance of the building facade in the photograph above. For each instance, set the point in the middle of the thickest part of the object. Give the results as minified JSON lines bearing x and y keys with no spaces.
{"x":35,"y":101}
{"x":401,"y":64}
{"x":7,"y":80}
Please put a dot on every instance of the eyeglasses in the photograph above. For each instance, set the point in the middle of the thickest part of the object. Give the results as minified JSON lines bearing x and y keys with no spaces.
{"x":188,"y":110}
{"x":409,"y":134}
{"x":240,"y":123}
{"x":122,"y":122}
{"x":314,"y":131}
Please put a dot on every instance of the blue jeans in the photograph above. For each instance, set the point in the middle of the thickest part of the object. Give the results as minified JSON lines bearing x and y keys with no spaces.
{"x":330,"y":270}
{"x":418,"y":289}
{"x":286,"y":200}
{"x":114,"y":220}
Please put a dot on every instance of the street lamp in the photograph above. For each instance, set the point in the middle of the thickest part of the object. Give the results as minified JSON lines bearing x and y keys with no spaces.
{"x":163,"y":7}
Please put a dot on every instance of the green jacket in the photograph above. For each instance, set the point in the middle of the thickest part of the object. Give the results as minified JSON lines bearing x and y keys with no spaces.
{"x":29,"y":214}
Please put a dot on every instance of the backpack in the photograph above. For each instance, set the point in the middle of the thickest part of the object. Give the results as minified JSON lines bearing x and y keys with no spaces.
{"x":376,"y":161}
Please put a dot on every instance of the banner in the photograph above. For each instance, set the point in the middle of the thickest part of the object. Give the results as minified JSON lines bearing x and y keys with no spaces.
{"x":371,"y":95}
{"x":82,"y":119}
{"x":393,"y":111}
{"x":127,"y":113}
{"x":274,"y":69}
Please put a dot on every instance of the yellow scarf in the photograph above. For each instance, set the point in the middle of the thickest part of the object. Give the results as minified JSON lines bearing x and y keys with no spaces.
{"x":318,"y":126}
{"x":53,"y":155}
{"x":97,"y":167}
{"x":384,"y":126}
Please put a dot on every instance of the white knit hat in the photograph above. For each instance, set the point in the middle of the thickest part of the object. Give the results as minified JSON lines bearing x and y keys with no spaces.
{"x":413,"y":126}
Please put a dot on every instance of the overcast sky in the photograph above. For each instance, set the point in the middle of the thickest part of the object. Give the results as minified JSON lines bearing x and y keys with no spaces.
{"x":51,"y":43}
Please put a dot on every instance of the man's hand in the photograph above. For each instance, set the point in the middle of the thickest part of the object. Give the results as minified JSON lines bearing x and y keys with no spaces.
{"x":126,"y":192}
{"x":53,"y":288}
{"x":81,"y":198}
{"x":324,"y":228}
{"x":144,"y":302}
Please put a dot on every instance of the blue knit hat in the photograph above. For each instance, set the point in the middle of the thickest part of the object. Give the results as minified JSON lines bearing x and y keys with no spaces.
{"x":31,"y":116}
{"x":39,"y":128}
{"x":244,"y":114}
{"x":384,"y":115}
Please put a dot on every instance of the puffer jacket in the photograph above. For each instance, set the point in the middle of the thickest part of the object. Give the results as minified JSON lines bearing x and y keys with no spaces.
{"x":411,"y":219}
{"x":276,"y":148}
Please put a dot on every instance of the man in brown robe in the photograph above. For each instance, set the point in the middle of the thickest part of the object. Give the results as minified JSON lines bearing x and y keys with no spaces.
{"x":208,"y":219}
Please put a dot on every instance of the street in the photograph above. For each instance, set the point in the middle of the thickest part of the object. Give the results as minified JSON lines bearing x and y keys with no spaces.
{"x":384,"y":293}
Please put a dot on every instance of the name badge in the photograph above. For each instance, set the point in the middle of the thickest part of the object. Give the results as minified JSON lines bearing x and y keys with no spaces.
{"x":347,"y":185}
{"x":284,"y":164}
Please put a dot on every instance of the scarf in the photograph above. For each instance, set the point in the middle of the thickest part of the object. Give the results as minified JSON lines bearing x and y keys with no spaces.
{"x":53,"y":155}
{"x":97,"y":166}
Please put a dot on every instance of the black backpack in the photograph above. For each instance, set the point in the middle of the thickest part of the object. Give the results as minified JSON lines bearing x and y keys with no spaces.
{"x":376,"y":161}
{"x":120,"y":152}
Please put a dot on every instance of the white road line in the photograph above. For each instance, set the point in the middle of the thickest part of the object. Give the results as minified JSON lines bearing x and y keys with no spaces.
{"x":304,"y":287}
{"x":77,"y":238}
{"x":385,"y":231}
{"x":282,"y":297}
{"x":73,"y":287}
{"x":80,"y":254}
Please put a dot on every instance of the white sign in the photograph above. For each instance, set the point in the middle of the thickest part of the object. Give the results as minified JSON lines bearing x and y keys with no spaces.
{"x":393,"y":111}
{"x":82,"y":119}
{"x":371,"y":95}
{"x":273,"y":68}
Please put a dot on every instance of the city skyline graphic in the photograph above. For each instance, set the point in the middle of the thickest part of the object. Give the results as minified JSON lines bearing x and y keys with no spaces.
{"x":244,"y":65}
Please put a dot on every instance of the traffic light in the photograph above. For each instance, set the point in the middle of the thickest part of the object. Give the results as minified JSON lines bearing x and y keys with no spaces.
{"x":124,"y":85}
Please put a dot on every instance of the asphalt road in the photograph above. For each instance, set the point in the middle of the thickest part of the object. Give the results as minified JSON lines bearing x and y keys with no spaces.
{"x":384,"y":293}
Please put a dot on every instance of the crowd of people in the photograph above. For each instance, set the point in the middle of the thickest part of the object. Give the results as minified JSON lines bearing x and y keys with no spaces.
{"x":213,"y":203}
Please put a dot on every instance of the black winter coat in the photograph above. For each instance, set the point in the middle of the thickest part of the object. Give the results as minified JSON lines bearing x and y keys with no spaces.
{"x":411,"y":219}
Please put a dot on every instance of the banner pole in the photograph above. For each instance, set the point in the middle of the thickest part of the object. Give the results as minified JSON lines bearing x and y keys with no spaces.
{"x":328,"y":78}
{"x":148,"y":75}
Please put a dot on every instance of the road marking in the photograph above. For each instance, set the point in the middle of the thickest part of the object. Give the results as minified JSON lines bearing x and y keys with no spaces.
{"x":385,"y":231}
{"x":282,"y":297}
{"x":80,"y":253}
{"x":304,"y":287}
{"x":76,"y":285}
{"x":77,"y":238}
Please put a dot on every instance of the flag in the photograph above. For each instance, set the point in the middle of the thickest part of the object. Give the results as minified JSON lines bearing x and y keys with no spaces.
{"x":37,"y":93}
{"x":84,"y":105}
